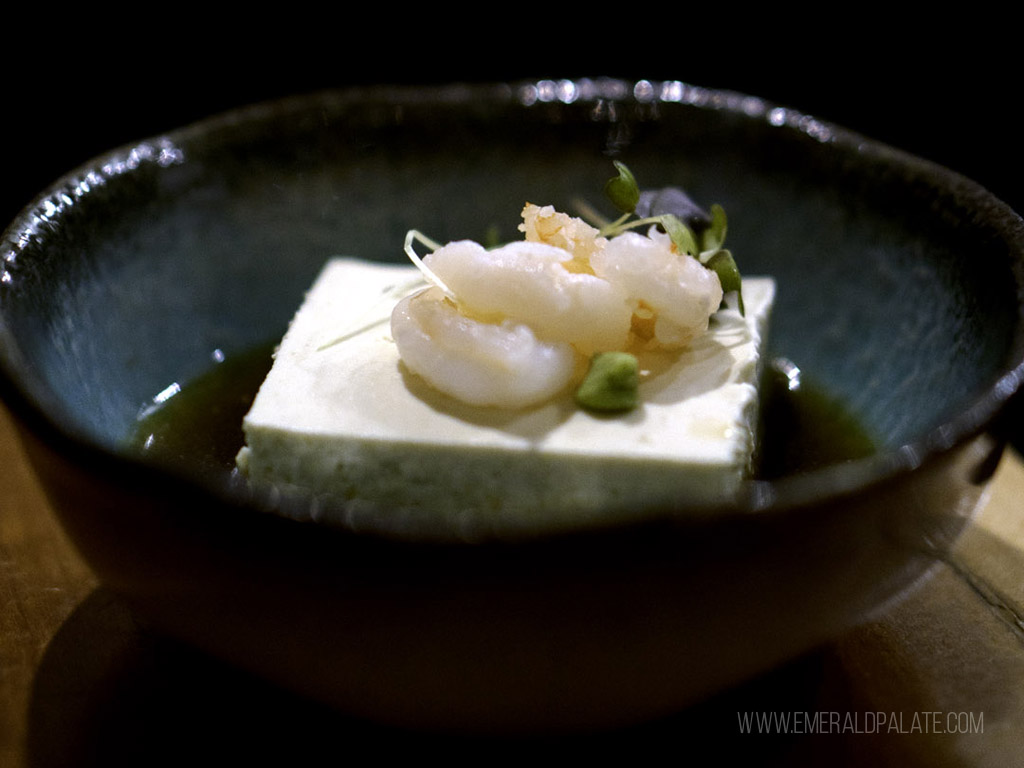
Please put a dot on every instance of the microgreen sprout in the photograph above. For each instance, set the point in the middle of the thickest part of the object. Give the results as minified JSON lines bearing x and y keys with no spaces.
{"x":706,"y":245}
{"x":724,"y":265}
{"x":622,"y":190}
{"x":714,"y":236}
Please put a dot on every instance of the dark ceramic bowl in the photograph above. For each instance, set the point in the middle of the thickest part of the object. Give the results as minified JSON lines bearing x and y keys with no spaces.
{"x":899,"y":298}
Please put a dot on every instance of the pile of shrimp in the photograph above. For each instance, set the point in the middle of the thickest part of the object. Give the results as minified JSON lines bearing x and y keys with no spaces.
{"x":508,"y":327}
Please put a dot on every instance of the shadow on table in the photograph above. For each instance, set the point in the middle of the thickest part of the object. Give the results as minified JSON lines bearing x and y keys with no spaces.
{"x":110,"y":692}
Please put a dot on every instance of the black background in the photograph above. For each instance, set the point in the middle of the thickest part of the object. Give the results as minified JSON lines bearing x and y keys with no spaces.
{"x":950,"y":94}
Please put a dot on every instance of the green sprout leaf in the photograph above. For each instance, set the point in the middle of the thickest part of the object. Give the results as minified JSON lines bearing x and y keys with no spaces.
{"x":723,"y":264}
{"x":611,"y":383}
{"x":714,"y":235}
{"x":492,"y":237}
{"x":704,"y":244}
{"x":681,"y":235}
{"x":622,"y":190}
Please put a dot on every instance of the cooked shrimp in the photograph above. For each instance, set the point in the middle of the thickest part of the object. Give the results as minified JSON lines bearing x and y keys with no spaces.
{"x":506,"y":327}
{"x":488,"y":364}
{"x":677,"y":289}
{"x":546,"y":225}
{"x":527,"y":282}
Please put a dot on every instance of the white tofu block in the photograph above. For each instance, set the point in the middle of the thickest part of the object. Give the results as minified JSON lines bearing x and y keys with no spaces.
{"x":346,"y":422}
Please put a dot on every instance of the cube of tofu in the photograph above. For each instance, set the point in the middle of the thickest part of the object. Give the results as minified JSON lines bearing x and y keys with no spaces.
{"x":344,"y":425}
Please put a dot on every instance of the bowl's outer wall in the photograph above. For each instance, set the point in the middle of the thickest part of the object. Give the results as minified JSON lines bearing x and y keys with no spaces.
{"x":891,"y":294}
{"x":594,"y":631}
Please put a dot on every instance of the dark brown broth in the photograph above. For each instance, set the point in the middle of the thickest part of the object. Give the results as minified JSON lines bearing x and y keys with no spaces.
{"x":200,"y":428}
{"x":805,"y":428}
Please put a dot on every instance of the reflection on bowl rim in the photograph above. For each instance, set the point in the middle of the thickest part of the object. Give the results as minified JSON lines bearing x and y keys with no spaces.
{"x":762,"y":496}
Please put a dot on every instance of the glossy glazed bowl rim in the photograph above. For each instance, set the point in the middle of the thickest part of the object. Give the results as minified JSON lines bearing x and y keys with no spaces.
{"x":17,"y":382}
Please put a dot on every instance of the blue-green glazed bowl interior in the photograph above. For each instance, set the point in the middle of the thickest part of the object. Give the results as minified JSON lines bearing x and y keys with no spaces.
{"x":897,"y":280}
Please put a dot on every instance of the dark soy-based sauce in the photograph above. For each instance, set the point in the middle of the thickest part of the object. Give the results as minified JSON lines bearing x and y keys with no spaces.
{"x":804,"y":428}
{"x":200,"y":428}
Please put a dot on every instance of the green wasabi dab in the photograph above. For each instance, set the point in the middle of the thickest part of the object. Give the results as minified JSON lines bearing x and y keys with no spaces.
{"x":611,"y":383}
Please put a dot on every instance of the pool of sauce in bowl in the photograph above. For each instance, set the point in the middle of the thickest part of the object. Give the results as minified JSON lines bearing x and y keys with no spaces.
{"x":803,"y":427}
{"x":200,"y":428}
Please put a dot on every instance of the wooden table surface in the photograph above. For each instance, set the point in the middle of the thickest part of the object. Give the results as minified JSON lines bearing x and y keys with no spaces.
{"x":937,"y":681}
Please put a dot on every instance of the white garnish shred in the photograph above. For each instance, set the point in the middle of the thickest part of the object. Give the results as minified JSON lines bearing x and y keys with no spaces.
{"x":427,"y":272}
{"x":379,"y":313}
